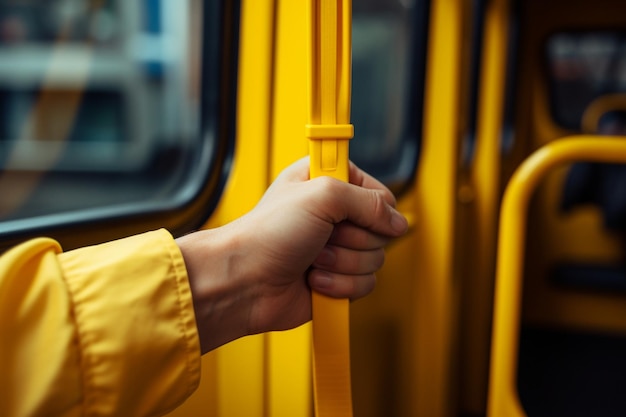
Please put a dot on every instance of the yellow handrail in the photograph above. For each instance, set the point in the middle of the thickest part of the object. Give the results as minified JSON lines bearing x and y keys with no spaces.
{"x":329,"y":131}
{"x":598,"y":108}
{"x":503,"y":397}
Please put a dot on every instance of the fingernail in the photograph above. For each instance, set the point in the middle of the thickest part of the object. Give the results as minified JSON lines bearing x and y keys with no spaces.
{"x":326,"y":257}
{"x":398,"y":222}
{"x":322,"y":280}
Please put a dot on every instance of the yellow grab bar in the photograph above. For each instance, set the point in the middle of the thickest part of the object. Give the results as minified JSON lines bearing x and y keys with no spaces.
{"x":329,"y":131}
{"x":599,"y":107}
{"x":503,"y":397}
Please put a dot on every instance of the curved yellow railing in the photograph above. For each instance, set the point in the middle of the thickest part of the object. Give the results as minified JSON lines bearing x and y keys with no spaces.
{"x":503,"y":397}
{"x":329,"y":131}
{"x":599,"y":107}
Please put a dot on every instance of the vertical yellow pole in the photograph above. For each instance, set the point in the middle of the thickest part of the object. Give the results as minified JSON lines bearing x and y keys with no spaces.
{"x":437,"y":291}
{"x":329,"y":132}
{"x":485,"y":180}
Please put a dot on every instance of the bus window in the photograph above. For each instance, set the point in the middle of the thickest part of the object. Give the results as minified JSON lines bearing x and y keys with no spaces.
{"x":389,"y":48}
{"x":106,"y":108}
{"x":583,"y":66}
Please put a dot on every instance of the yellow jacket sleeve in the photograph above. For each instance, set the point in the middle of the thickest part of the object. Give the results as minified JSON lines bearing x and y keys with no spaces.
{"x":106,"y":330}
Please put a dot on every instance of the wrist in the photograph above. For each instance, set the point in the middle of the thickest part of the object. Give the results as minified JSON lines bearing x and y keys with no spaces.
{"x":221,"y":298}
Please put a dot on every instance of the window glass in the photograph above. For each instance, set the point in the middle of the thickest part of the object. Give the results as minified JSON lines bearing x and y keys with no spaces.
{"x":389,"y":47}
{"x":100,"y":105}
{"x":582,"y":67}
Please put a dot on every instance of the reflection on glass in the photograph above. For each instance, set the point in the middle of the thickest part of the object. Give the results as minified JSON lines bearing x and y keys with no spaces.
{"x":99,"y":102}
{"x":388,"y":39}
{"x":582,"y":67}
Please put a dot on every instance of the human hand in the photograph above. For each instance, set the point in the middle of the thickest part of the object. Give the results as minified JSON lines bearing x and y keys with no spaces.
{"x":256,"y":273}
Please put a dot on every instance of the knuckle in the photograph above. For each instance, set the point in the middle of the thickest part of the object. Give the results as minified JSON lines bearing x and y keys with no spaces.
{"x":327,"y":189}
{"x":369,"y":283}
{"x":379,"y":206}
{"x":380,"y":259}
{"x":326,"y":184}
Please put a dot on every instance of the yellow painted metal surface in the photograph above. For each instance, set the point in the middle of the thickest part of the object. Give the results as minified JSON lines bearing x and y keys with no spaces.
{"x":289,"y":381}
{"x":405,"y":337}
{"x":234,"y":379}
{"x":436,"y":293}
{"x":598,"y":108}
{"x":479,"y":250}
{"x":503,"y":397}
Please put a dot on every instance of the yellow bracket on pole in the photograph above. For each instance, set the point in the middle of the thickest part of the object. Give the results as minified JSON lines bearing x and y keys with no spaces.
{"x":329,"y":132}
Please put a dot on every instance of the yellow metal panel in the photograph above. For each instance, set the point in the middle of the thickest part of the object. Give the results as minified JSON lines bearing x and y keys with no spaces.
{"x":241,"y":365}
{"x":241,"y":378}
{"x":290,"y":81}
{"x":289,"y":373}
{"x":249,"y":177}
{"x":268,"y":375}
{"x":287,"y":384}
{"x":480,"y":226}
{"x":234,"y":380}
{"x":436,"y":296}
{"x":289,"y":379}
{"x":204,"y":401}
{"x":383,"y":338}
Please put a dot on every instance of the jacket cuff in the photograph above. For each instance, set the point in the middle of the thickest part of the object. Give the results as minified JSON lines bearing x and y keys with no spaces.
{"x":136,"y":328}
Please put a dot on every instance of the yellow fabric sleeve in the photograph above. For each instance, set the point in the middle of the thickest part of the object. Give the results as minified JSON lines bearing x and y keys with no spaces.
{"x":99,"y":331}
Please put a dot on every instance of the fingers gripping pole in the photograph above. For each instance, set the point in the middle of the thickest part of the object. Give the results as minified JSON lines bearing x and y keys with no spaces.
{"x":329,"y":132}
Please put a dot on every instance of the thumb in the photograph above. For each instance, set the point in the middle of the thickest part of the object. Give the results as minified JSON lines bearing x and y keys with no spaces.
{"x":364,"y":207}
